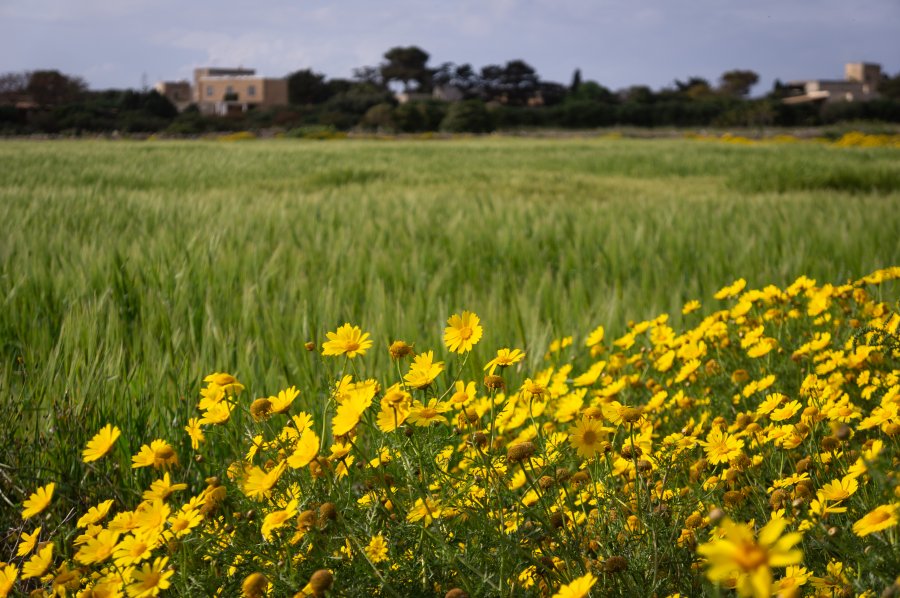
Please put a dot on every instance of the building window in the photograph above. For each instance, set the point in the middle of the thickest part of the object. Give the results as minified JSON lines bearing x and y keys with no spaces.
{"x":251,"y":90}
{"x":209,"y":90}
{"x":229,"y":90}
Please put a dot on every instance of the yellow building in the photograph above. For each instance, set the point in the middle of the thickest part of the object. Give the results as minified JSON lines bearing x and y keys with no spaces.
{"x":860,"y":84}
{"x":232,"y":90}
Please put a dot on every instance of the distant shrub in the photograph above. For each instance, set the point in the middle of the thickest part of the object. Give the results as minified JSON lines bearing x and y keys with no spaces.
{"x":238,"y":136}
{"x":468,"y":117}
{"x":321,"y":132}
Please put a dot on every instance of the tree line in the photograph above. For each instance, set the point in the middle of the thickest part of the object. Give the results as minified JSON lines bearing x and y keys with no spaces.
{"x":447,"y":97}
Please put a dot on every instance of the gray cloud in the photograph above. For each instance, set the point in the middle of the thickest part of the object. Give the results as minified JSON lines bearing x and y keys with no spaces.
{"x":617,"y":42}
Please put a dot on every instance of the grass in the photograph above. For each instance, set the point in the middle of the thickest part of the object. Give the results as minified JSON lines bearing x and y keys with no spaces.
{"x":130,"y":269}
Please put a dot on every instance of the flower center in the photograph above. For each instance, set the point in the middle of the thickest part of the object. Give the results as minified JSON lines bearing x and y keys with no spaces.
{"x":351,"y":346}
{"x":751,"y":558}
{"x":880,"y":517}
{"x":460,"y":397}
{"x":589,"y":437}
{"x":429,"y":412}
{"x":465,"y":333}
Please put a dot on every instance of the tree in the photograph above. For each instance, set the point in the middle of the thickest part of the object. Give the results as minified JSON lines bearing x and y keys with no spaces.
{"x":368,"y":75}
{"x":592,"y":91}
{"x":694,"y":88}
{"x":467,"y":117}
{"x":52,"y":88}
{"x":638,"y":94}
{"x":379,"y":117}
{"x":576,"y":81}
{"x":463,"y":77}
{"x":889,"y":87}
{"x":519,"y":81}
{"x":307,"y":87}
{"x":13,"y":85}
{"x":737,"y":83}
{"x":512,"y":84}
{"x":407,"y":65}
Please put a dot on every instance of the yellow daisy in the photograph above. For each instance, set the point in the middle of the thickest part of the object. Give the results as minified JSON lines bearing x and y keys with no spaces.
{"x":463,"y":332}
{"x":347,"y":340}
{"x":101,"y":443}
{"x":38,"y":501}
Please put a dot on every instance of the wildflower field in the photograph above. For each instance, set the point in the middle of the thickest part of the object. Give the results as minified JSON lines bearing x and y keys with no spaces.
{"x":483,"y":367}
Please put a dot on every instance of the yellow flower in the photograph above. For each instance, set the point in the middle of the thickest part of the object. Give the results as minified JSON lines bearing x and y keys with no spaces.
{"x":879,"y":518}
{"x":763,"y":347}
{"x":305,"y":450}
{"x":422,"y":415}
{"x":595,"y":337}
{"x":258,"y":483}
{"x":347,"y":340}
{"x":36,"y":565}
{"x":283,"y":401}
{"x":28,"y":542}
{"x":786,"y":412}
{"x":99,"y":548}
{"x":161,"y":489}
{"x":276,"y":519}
{"x":8,"y":575}
{"x":721,"y":447}
{"x":748,"y":562}
{"x":195,"y":432}
{"x":731,"y":290}
{"x":464,"y":393}
{"x":95,"y":514}
{"x":183,"y":522}
{"x":101,"y":443}
{"x":578,"y":588}
{"x":226,"y":382}
{"x":217,"y":414}
{"x":350,"y":411}
{"x":377,"y":549}
{"x":686,"y":370}
{"x":391,"y":416}
{"x":838,"y":490}
{"x":771,"y":401}
{"x":427,"y":510}
{"x":535,"y":389}
{"x":423,"y":370}
{"x":794,"y":577}
{"x":254,"y":586}
{"x":134,"y":548}
{"x":150,"y":516}
{"x":587,"y":437}
{"x":463,"y":332}
{"x":210,"y":395}
{"x":665,"y":361}
{"x":150,"y":579}
{"x":158,"y":454}
{"x":690,"y":307}
{"x":400,"y":349}
{"x":38,"y":501}
{"x":505,"y":358}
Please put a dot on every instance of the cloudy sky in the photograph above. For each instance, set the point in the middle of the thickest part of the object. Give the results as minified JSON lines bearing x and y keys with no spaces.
{"x":122,"y":43}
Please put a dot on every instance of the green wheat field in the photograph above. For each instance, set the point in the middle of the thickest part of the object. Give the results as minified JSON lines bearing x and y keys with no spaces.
{"x":129,"y":270}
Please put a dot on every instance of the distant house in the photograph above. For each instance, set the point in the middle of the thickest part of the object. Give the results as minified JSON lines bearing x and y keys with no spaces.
{"x":860,"y":84}
{"x":225,"y":91}
{"x":447,"y":93}
{"x":229,"y":90}
{"x":404,"y":97}
{"x":177,"y":92}
{"x":443,"y":93}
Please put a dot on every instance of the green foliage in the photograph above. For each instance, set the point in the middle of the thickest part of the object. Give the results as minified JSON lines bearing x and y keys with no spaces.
{"x":307,"y":87}
{"x":127,"y":268}
{"x":470,"y":116}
